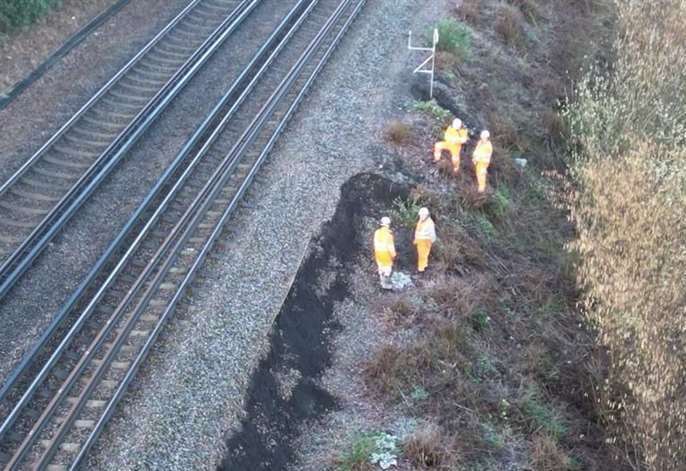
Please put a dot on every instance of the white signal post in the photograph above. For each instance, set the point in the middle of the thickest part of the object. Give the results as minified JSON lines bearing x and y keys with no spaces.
{"x":429,"y":65}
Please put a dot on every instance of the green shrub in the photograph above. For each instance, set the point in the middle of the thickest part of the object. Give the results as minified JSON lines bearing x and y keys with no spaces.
{"x":454,"y":37}
{"x":433,"y":108}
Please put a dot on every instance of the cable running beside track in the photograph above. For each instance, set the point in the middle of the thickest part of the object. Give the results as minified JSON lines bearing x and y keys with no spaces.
{"x":51,"y":186}
{"x":61,"y":413}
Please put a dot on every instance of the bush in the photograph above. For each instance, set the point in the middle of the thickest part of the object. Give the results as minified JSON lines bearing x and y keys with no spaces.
{"x":628,"y":157}
{"x":454,"y":37}
{"x":15,"y":13}
{"x":433,"y":108}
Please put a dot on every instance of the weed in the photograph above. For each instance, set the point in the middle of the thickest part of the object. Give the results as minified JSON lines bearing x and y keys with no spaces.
{"x":406,"y":211}
{"x":480,"y":320}
{"x":397,"y":132}
{"x":454,"y":37}
{"x":433,"y":108}
{"x":357,"y":457}
{"x":499,"y":205}
{"x":484,"y":226}
{"x":492,"y":437}
{"x":540,"y":415}
{"x":419,"y":394}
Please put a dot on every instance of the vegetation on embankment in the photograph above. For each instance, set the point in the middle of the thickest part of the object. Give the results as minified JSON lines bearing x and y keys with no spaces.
{"x":627,"y":126}
{"x":495,"y":362}
{"x":17,"y":13}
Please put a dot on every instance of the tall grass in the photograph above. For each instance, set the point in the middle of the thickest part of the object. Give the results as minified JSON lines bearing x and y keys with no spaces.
{"x":628,"y":130}
{"x":16,"y":13}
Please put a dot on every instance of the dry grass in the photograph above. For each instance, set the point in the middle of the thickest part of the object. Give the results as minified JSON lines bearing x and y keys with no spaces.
{"x":554,"y":126}
{"x":398,"y":132}
{"x":546,"y":455}
{"x":426,"y":449}
{"x":509,"y":25}
{"x":504,"y":134}
{"x":529,"y":8}
{"x":629,"y":162}
{"x":469,"y":11}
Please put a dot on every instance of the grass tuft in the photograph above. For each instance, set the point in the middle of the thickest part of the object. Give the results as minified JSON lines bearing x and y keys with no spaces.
{"x":398,"y":132}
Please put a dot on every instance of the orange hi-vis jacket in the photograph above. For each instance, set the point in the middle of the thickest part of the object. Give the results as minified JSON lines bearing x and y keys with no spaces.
{"x":482,"y":153}
{"x":456,"y":137}
{"x":426,"y":230}
{"x":384,"y":247}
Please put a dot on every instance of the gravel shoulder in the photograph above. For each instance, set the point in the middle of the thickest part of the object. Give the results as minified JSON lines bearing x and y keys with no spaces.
{"x":189,"y":396}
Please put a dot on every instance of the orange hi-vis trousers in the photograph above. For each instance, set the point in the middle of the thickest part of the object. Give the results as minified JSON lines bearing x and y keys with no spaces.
{"x":454,"y":149}
{"x":481,"y":169}
{"x":423,"y":251}
{"x":384,"y":260}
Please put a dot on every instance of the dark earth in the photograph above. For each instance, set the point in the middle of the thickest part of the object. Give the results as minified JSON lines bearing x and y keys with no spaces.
{"x":303,"y":330}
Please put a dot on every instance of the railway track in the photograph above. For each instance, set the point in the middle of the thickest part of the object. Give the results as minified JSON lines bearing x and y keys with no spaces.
{"x":56,"y":403}
{"x":40,"y":197}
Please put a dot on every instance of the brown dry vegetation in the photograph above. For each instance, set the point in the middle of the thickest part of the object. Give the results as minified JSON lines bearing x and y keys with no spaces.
{"x":628,"y":127}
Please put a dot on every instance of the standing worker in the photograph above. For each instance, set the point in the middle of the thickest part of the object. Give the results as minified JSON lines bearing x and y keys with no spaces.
{"x":482,"y":159}
{"x":424,"y":236}
{"x":454,"y":137}
{"x":384,"y":251}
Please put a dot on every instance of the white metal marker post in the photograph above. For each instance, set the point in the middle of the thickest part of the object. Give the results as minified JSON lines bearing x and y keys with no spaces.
{"x":432,"y":59}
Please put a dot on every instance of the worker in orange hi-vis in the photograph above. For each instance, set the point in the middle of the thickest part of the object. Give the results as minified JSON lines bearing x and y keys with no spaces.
{"x":424,"y":236}
{"x":454,"y":137}
{"x":482,"y":159}
{"x":384,"y":251}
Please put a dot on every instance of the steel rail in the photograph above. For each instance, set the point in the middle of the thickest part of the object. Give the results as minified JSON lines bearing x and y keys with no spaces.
{"x":194,"y":212}
{"x":145,"y":350}
{"x":162,"y":183}
{"x":105,"y":88}
{"x":21,"y":259}
{"x":231,"y":158}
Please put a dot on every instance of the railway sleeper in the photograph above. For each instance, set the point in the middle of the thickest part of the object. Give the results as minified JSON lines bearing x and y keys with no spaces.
{"x":124,"y":97}
{"x":24,"y":210}
{"x":139,"y":88}
{"x":32,"y":196}
{"x":65,"y":161}
{"x":94,"y":134}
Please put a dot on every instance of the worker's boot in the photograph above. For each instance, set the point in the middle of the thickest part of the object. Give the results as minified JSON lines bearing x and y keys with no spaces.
{"x":386,"y":282}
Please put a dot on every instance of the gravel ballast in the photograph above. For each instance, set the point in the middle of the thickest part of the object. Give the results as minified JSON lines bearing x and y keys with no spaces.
{"x":189,"y":396}
{"x":28,"y":308}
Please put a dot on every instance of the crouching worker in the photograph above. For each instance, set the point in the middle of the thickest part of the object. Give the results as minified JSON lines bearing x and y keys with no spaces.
{"x":424,"y":236}
{"x":384,"y":251}
{"x":454,"y":137}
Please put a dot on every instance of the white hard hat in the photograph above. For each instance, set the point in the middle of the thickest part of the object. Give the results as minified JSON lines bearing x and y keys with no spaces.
{"x":457,"y":124}
{"x":385,"y":221}
{"x":424,"y":212}
{"x":485,"y":134}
